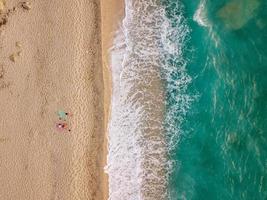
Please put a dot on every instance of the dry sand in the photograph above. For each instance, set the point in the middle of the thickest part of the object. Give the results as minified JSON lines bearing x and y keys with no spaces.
{"x":50,"y":59}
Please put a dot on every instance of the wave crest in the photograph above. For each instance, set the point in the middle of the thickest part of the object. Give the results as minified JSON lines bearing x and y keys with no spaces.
{"x":138,"y":164}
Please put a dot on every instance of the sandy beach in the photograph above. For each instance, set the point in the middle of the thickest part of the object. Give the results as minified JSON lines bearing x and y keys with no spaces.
{"x":112,"y":13}
{"x":51,"y":60}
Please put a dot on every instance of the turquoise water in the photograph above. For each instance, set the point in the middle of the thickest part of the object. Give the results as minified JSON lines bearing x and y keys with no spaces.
{"x":221,"y":150}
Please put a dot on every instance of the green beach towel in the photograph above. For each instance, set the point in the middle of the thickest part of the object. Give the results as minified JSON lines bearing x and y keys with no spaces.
{"x":62,"y":115}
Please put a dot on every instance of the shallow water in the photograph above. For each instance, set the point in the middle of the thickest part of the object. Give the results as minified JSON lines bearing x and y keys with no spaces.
{"x":137,"y":160}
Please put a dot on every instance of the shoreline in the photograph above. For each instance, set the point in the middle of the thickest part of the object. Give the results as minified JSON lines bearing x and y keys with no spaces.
{"x":137,"y":149}
{"x":112,"y":13}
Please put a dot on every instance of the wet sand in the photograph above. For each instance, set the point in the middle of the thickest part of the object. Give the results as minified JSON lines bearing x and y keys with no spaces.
{"x":112,"y":13}
{"x":51,"y":60}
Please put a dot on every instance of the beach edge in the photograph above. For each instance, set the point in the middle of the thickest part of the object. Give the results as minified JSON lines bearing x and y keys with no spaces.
{"x":112,"y":14}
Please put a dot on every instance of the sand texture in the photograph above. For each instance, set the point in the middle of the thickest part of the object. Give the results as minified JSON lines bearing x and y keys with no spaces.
{"x":50,"y":60}
{"x":112,"y":13}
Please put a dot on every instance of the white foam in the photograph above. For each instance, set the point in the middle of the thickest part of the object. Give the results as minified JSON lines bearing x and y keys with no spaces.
{"x":137,"y":152}
{"x":202,"y":19}
{"x":200,"y":15}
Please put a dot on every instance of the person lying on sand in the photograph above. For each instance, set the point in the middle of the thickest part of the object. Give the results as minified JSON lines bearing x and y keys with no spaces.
{"x":62,"y":126}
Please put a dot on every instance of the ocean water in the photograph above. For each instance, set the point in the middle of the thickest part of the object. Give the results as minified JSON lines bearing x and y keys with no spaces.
{"x":222,"y":150}
{"x":189,"y":113}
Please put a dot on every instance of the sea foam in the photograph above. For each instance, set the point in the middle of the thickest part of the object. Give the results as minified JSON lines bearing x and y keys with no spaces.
{"x":138,"y":145}
{"x":200,"y":15}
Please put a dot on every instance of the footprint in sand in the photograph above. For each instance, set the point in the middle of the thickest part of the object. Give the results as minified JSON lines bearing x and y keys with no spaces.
{"x":5,"y":12}
{"x":3,"y":84}
{"x":3,"y":140}
{"x":2,"y":72}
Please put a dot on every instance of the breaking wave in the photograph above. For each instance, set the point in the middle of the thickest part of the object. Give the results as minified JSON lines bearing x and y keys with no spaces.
{"x":148,"y":70}
{"x":200,"y":15}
